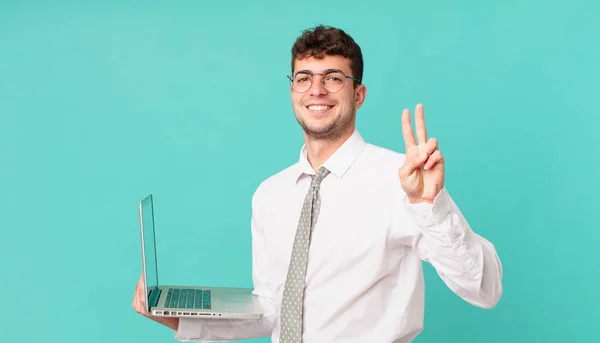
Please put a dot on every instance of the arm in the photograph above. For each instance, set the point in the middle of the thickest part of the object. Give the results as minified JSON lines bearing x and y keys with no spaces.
{"x":192,"y":329}
{"x":468,"y":263}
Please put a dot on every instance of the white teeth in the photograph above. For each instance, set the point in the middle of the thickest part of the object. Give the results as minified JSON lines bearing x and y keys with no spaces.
{"x":318,"y":107}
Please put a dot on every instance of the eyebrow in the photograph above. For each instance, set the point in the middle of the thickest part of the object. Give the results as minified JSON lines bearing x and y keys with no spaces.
{"x":306,"y":71}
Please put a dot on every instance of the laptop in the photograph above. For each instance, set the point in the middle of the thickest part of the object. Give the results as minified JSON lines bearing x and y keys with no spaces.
{"x":187,"y":301}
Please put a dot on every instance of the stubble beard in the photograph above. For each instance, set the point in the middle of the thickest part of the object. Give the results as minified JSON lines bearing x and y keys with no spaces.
{"x":330,"y":132}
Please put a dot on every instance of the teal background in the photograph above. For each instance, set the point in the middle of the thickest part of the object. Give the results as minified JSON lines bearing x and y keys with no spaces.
{"x":102,"y":103}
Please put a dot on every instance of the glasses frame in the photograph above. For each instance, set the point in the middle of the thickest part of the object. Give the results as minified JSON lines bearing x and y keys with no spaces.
{"x":308,"y":72}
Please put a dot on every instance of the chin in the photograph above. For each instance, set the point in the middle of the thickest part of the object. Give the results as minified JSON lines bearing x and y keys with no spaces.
{"x":319,"y":130}
{"x":324,"y":131}
{"x":325,"y":126}
{"x":322,"y":124}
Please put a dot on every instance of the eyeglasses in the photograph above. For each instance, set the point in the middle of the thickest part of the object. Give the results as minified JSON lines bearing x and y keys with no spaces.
{"x":333,"y":80}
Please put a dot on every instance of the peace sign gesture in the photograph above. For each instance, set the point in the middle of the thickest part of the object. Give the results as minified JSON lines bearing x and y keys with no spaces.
{"x":422,"y":175}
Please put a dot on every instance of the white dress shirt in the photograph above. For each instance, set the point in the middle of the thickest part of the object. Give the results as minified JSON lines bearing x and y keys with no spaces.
{"x":364,"y":280}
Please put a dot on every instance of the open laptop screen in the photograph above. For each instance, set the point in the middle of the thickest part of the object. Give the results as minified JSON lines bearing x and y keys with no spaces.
{"x":147,"y":218}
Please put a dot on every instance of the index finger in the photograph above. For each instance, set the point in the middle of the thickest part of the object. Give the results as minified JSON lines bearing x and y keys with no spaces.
{"x":407,"y":132}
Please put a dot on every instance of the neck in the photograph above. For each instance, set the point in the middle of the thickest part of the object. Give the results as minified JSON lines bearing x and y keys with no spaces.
{"x":318,"y":150}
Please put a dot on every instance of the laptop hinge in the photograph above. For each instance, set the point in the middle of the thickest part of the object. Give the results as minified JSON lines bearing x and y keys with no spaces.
{"x":153,"y":297}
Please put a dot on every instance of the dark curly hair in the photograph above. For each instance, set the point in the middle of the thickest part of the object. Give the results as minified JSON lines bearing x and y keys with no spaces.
{"x":323,"y":40}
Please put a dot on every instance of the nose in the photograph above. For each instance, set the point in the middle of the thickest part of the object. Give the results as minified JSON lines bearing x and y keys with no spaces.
{"x":317,"y":88}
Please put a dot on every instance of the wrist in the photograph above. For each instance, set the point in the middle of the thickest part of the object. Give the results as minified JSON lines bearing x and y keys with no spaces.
{"x":173,"y":323}
{"x":413,"y":200}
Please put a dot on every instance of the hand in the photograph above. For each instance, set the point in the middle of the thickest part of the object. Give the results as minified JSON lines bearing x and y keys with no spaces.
{"x":139,"y":298}
{"x":139,"y":305}
{"x":422,"y":175}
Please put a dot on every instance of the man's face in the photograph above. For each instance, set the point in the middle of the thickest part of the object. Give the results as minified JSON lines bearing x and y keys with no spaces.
{"x":321,"y":113}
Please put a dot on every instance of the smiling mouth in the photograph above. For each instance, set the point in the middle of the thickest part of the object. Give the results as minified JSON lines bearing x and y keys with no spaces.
{"x":319,"y":108}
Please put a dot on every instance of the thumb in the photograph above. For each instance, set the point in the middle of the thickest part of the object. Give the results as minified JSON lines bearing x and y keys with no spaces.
{"x":411,"y":163}
{"x":406,"y":170}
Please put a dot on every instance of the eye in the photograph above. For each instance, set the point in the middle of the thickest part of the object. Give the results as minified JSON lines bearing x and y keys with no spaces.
{"x":334,"y":77}
{"x":302,"y":78}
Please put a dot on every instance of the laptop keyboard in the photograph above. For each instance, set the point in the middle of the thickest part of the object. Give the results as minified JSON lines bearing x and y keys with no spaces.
{"x":188,"y":298}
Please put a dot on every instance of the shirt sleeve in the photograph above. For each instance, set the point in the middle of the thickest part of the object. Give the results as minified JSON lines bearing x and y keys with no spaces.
{"x":211,"y":330}
{"x":466,"y":262}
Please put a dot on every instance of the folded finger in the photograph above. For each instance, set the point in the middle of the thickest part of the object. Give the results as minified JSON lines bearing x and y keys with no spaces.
{"x":428,"y":149}
{"x":433,"y":159}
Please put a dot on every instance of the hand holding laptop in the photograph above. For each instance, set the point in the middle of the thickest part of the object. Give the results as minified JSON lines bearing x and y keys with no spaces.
{"x":166,"y":303}
{"x":140,"y":306}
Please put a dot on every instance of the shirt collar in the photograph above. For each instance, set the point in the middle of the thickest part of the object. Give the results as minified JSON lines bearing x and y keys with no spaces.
{"x":338,"y":163}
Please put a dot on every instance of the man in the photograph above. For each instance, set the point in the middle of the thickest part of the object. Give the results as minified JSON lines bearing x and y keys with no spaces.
{"x":342,"y":263}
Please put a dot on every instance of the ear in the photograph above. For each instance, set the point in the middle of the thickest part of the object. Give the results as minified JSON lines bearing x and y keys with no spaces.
{"x":360,"y":93}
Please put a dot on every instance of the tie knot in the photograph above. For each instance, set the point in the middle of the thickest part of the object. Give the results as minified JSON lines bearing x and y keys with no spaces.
{"x":316,"y":179}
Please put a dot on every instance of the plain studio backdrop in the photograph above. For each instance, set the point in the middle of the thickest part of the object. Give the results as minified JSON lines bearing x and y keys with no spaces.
{"x":102,"y":103}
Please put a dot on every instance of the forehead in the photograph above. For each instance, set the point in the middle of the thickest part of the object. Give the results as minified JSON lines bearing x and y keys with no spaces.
{"x":317,"y":65}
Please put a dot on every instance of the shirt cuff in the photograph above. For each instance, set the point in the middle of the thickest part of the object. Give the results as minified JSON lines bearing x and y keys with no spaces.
{"x":425,"y":214}
{"x":212,"y":330}
{"x":188,"y":329}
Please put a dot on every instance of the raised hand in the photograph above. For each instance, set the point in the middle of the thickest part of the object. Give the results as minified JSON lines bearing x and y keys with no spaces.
{"x":422,"y":175}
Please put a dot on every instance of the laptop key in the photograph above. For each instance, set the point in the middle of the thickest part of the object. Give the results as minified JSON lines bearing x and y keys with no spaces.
{"x":169,"y":295}
{"x":175,"y":298}
{"x":182,"y":298}
{"x":190,"y":298}
{"x":198,"y":303}
{"x":206,"y":299}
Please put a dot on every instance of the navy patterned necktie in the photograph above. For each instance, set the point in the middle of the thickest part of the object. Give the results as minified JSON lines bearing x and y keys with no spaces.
{"x":293,"y":293}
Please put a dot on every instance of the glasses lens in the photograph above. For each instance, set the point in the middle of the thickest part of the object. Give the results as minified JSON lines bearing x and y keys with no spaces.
{"x":302,"y":82}
{"x":334,"y":81}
